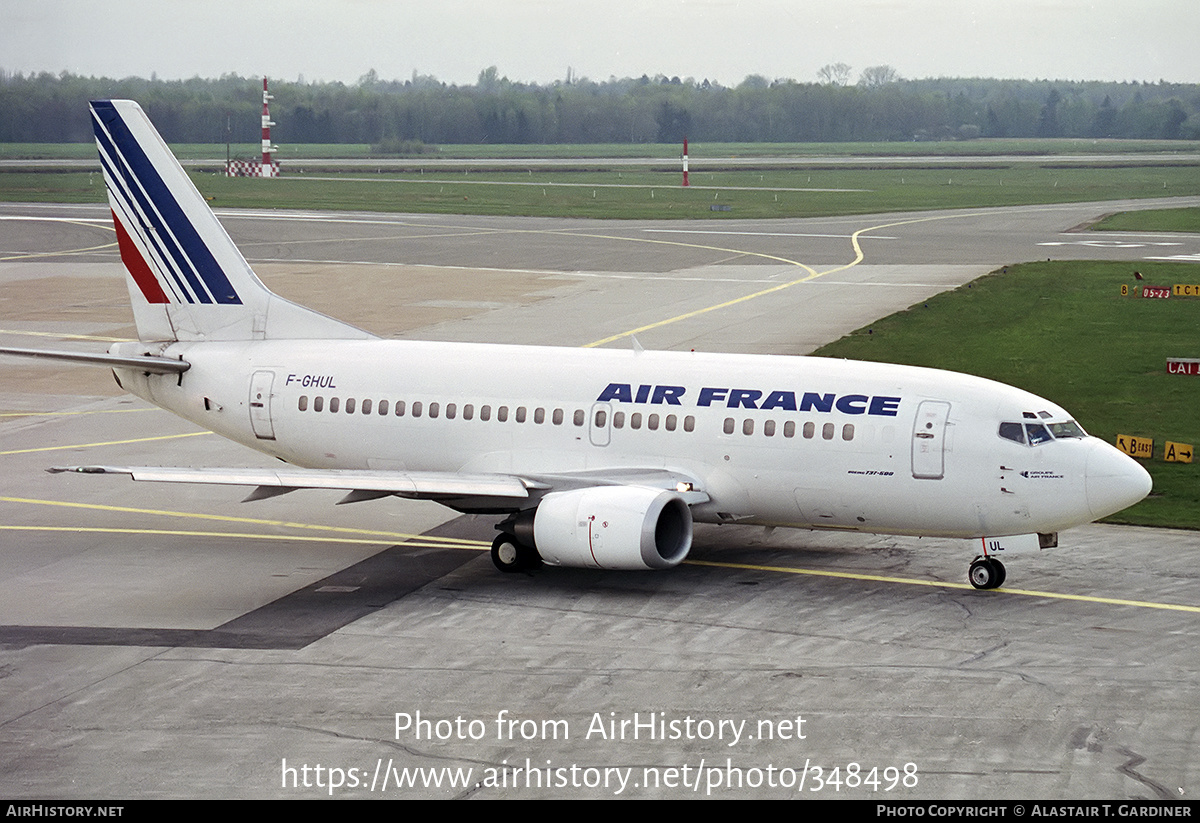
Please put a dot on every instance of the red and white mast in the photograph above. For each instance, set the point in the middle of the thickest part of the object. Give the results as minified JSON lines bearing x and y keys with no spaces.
{"x":268,"y":168}
{"x":685,"y":180}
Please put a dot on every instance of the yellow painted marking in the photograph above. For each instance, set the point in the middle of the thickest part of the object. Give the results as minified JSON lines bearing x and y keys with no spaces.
{"x":245,"y":520}
{"x":105,"y":443}
{"x":73,"y":413}
{"x":859,"y":256}
{"x":36,"y":254}
{"x":812,"y":274}
{"x":410,"y":542}
{"x":86,"y":222}
{"x":875,"y":578}
{"x":68,"y":336}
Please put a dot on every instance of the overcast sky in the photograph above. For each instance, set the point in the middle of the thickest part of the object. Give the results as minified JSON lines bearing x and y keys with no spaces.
{"x":538,"y":40}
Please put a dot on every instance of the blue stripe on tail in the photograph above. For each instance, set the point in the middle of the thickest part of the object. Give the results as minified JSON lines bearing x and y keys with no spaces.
{"x":170,"y":225}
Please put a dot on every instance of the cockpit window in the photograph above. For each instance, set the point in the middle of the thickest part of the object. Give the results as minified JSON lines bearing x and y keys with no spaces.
{"x":1037,"y":434}
{"x":1068,"y":429}
{"x":1013,"y":431}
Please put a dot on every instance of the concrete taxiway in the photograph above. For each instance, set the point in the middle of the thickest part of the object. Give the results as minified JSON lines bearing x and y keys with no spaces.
{"x":166,"y":641}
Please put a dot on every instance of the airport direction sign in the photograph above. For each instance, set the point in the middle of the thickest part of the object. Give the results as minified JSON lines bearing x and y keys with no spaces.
{"x":1156,"y":291}
{"x":1136,"y":446}
{"x":1178,"y":452}
{"x":1186,"y":290}
{"x":1183,"y":365}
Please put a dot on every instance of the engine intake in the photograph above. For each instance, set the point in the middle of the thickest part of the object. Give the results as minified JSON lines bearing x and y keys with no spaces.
{"x":613,"y":527}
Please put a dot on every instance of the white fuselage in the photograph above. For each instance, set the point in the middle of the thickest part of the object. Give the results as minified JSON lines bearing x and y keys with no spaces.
{"x":789,"y":441}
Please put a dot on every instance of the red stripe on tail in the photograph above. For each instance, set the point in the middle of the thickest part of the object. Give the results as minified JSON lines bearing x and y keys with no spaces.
{"x":136,"y":265}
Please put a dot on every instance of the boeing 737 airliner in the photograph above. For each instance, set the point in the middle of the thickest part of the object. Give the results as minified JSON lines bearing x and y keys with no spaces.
{"x":590,"y":458}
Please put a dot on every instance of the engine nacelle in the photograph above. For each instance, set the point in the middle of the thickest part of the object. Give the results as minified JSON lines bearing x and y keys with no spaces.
{"x":613,"y":527}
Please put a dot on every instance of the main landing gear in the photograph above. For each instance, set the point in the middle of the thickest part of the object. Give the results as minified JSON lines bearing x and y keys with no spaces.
{"x":511,"y":555}
{"x":986,"y":573}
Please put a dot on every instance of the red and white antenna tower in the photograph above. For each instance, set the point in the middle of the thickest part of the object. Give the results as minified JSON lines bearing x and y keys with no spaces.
{"x":268,"y":168}
{"x":685,"y":180}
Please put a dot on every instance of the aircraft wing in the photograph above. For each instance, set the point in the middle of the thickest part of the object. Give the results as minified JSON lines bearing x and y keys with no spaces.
{"x":361,"y":485}
{"x":460,"y":491}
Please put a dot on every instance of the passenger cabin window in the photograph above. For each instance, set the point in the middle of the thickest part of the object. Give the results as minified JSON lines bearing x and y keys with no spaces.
{"x":689,"y":423}
{"x":618,"y":420}
{"x":827,"y":431}
{"x":789,"y":429}
{"x":848,"y":431}
{"x":502,"y":414}
{"x":399,"y":408}
{"x":580,"y":417}
{"x":416,"y":409}
{"x":333,"y":404}
{"x":383,"y":408}
{"x":318,"y":403}
{"x":468,"y":411}
{"x":366,"y":407}
{"x":304,"y":402}
{"x":350,"y":405}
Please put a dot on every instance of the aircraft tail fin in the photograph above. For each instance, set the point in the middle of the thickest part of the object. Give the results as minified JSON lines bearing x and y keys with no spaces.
{"x":186,"y":278}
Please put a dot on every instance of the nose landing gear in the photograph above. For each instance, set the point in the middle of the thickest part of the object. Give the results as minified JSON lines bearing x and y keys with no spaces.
{"x":986,"y":573}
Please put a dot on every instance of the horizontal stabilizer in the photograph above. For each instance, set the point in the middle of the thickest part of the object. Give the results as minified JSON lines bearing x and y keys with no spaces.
{"x":149,"y":363}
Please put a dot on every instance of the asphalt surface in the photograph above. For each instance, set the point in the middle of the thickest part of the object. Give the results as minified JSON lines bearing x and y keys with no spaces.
{"x":172,"y":642}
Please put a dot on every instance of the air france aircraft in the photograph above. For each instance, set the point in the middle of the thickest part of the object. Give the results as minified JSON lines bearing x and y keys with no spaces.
{"x":590,"y":458}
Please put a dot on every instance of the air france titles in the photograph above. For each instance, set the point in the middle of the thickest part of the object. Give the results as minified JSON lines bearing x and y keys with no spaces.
{"x":758,"y":399}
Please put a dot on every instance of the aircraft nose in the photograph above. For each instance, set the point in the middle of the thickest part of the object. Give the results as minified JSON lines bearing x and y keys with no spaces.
{"x":1114,"y":480}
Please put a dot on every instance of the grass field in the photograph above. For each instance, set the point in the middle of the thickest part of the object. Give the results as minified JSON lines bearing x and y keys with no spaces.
{"x":1184,"y":219}
{"x":1064,"y":332}
{"x":638,"y":192}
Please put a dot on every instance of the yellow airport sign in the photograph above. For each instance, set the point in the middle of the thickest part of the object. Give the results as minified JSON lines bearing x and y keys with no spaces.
{"x":1186,"y":290}
{"x":1178,"y":452}
{"x":1136,"y":446}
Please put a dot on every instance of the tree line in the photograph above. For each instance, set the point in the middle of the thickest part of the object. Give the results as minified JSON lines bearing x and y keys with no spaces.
{"x":881,"y":106}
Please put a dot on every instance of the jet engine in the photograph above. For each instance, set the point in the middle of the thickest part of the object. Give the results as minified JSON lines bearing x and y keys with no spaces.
{"x":613,"y":527}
